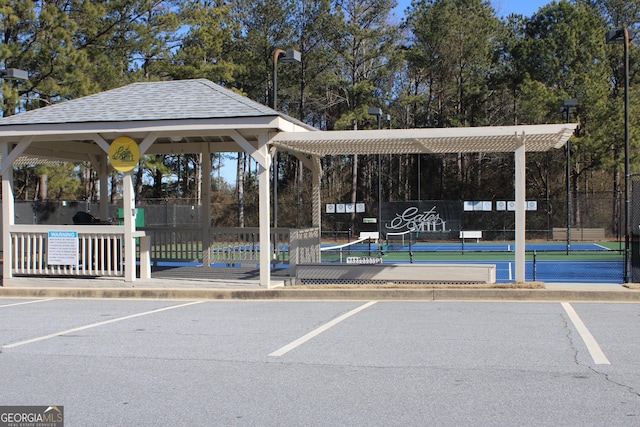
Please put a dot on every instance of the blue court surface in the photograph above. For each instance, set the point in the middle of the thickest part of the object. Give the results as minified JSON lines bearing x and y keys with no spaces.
{"x":496,"y":247}
{"x":608,"y":269}
{"x":551,"y":271}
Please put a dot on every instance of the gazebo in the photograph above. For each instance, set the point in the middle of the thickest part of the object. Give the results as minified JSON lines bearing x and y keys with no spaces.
{"x":198,"y":116}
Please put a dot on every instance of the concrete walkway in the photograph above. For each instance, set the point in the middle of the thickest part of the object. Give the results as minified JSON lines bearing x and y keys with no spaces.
{"x":244,"y":284}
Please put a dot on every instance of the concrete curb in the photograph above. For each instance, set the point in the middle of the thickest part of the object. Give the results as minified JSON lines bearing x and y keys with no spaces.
{"x":388,"y":294}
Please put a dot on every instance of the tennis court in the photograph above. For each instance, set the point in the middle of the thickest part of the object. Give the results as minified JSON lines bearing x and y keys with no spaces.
{"x":585,"y":262}
{"x":589,"y":262}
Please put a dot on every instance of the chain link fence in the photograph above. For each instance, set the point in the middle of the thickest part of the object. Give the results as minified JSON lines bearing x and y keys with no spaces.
{"x":594,"y":221}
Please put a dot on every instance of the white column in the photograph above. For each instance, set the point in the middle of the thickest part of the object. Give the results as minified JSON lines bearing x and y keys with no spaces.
{"x":129,"y":208}
{"x":8,"y":216}
{"x":265,"y":227}
{"x":520,"y":184}
{"x":262,"y":156}
{"x":9,"y":155}
{"x":205,"y":208}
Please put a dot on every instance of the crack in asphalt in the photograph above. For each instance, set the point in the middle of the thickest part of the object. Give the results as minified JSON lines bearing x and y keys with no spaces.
{"x":601,"y":374}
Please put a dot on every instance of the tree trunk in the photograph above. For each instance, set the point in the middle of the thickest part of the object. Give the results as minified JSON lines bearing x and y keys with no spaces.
{"x":114,"y":187}
{"x":44,"y":179}
{"x":198,"y":178}
{"x":240,"y":189}
{"x":354,"y":183}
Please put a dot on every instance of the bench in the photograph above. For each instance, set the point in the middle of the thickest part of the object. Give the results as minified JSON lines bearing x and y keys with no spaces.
{"x":374,"y":235}
{"x":396,"y":274}
{"x":580,"y":234}
{"x":471,"y":234}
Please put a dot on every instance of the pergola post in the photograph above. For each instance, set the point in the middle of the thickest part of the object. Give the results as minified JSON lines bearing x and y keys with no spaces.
{"x":316,"y":173}
{"x":314,"y":165}
{"x":8,"y":216}
{"x":9,"y":154}
{"x":205,"y":208}
{"x":262,"y":156}
{"x":265,"y":193}
{"x":520,"y":189}
{"x":129,"y":214}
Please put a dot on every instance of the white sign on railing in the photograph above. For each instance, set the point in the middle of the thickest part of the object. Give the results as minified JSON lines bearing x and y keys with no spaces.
{"x":62,"y":248}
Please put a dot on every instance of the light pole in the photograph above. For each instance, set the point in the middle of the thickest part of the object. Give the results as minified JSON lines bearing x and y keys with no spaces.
{"x":289,"y":55}
{"x":567,"y":105}
{"x":622,"y":36}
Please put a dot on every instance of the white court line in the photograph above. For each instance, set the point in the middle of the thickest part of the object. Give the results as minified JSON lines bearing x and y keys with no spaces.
{"x":26,"y":302}
{"x":287,"y":348}
{"x":596,"y":352}
{"x":94,"y":325}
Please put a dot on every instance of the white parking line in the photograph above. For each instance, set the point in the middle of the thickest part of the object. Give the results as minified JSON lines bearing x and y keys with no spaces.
{"x":596,"y":352}
{"x":287,"y":348}
{"x":94,"y":325}
{"x":26,"y":302}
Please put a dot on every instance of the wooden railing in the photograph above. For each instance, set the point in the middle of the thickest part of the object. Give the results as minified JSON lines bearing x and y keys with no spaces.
{"x":230,"y":245}
{"x":235,"y":245}
{"x":304,"y":246}
{"x":99,"y":250}
{"x":175,"y":244}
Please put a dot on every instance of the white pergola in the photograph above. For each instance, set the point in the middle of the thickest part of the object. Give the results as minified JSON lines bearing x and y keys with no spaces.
{"x":198,"y":116}
{"x":492,"y":139}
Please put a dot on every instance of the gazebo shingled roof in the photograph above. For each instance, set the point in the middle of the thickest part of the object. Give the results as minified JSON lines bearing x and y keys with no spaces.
{"x":166,"y":100}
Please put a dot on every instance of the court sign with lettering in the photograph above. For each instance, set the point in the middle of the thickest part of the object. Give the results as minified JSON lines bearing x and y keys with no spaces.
{"x":62,"y":248}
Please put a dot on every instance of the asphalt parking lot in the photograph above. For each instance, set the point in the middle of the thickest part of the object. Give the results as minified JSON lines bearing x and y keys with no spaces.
{"x":114,"y":362}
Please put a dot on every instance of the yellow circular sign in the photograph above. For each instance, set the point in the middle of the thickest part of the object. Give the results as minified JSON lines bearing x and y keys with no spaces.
{"x":124,"y":154}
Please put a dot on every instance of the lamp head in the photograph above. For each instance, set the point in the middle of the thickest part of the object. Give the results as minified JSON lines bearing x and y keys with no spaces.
{"x":618,"y":36}
{"x":291,"y":55}
{"x":615,"y":36}
{"x":374,"y":111}
{"x":14,"y":74}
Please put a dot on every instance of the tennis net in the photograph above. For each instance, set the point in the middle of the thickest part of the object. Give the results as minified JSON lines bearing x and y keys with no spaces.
{"x":401,"y":240}
{"x":361,"y":251}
